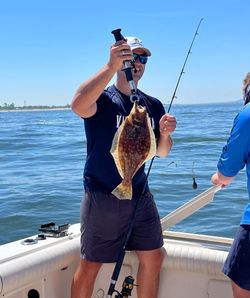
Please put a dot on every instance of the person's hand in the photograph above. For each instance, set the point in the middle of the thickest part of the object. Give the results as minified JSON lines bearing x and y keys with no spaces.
{"x":167,"y":124}
{"x":119,"y":52}
{"x":219,"y":179}
{"x":215,"y":180}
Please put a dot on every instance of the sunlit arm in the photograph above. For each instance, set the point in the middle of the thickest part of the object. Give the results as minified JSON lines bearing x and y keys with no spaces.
{"x":84,"y":101}
{"x":165,"y":144}
{"x":219,"y":179}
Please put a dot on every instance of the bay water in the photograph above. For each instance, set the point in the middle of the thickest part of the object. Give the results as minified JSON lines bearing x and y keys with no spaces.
{"x":42,"y":155}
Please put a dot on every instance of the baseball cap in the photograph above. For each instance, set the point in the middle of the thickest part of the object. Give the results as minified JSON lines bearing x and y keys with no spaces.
{"x":136,"y":43}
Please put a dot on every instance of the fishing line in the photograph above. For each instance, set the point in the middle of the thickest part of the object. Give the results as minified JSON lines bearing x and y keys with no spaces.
{"x":134,"y":97}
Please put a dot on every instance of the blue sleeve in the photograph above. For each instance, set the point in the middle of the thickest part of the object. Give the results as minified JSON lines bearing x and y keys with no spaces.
{"x":235,"y":152}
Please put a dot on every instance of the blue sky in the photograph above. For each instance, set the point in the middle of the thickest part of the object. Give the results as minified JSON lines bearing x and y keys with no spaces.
{"x":49,"y":47}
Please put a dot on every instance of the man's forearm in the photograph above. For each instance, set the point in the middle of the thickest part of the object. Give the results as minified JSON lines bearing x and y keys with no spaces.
{"x":84,"y":101}
{"x":165,"y":144}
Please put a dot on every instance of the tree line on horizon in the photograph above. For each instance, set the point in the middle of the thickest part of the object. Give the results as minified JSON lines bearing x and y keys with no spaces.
{"x":12,"y":106}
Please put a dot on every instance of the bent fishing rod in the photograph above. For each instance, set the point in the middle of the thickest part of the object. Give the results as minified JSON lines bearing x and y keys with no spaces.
{"x":128,"y":283}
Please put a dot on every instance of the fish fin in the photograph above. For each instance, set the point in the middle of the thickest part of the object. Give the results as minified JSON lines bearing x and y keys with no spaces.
{"x":114,"y":149}
{"x":152,"y":151}
{"x":123,"y":192}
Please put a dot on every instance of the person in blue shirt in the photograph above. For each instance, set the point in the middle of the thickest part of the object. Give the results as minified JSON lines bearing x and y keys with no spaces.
{"x":104,"y":218}
{"x":235,"y":156}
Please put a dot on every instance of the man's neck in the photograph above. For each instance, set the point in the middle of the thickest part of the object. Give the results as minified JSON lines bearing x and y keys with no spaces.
{"x":123,"y":86}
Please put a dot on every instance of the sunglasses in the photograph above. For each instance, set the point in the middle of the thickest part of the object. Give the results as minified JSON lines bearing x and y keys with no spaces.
{"x":142,"y":58}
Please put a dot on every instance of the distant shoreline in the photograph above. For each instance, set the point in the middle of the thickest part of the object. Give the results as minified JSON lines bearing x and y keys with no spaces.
{"x":37,"y":109}
{"x":34,"y":110}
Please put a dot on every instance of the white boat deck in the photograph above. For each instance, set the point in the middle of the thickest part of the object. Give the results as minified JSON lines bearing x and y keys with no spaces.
{"x":191,"y":268}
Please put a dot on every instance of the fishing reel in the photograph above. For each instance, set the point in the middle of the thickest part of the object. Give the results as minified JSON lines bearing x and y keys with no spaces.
{"x":128,"y":65}
{"x":127,"y":287}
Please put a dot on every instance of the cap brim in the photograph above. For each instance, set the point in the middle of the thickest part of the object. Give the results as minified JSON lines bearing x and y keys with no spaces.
{"x":144,"y":49}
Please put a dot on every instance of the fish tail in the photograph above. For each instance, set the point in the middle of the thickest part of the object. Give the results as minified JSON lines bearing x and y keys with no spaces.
{"x":123,"y":191}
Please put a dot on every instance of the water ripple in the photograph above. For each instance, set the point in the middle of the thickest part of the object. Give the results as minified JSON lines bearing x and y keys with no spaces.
{"x":42,"y":156}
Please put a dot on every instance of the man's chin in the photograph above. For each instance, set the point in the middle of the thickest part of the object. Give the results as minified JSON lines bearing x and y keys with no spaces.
{"x":137,"y":75}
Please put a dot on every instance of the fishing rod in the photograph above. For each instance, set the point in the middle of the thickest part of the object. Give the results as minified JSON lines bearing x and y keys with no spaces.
{"x":194,"y":185}
{"x":178,"y":82}
{"x":128,"y":283}
{"x":184,"y":64}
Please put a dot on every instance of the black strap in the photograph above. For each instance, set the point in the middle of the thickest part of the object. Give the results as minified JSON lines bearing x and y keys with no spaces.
{"x":247,"y":94}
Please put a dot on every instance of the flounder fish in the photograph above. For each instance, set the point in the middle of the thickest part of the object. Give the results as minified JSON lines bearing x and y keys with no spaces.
{"x":133,"y":144}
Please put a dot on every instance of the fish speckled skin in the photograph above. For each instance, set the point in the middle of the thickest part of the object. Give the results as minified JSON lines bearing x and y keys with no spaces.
{"x":133,"y":144}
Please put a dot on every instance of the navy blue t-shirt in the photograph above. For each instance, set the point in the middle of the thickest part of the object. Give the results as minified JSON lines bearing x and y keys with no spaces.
{"x":100,"y":172}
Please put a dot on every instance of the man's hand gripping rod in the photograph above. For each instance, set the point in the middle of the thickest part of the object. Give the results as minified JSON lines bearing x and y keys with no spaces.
{"x":127,"y":68}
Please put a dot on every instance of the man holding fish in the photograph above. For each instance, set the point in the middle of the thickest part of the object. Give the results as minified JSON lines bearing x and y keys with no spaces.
{"x":121,"y":137}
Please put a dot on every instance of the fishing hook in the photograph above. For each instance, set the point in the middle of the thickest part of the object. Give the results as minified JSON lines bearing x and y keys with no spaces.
{"x":194,"y":185}
{"x":172,"y":162}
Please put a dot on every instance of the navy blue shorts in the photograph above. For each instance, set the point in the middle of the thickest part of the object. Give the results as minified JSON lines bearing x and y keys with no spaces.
{"x":237,"y":265}
{"x":105,"y":221}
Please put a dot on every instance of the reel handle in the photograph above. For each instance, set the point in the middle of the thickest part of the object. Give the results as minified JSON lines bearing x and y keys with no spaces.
{"x":117,"y":34}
